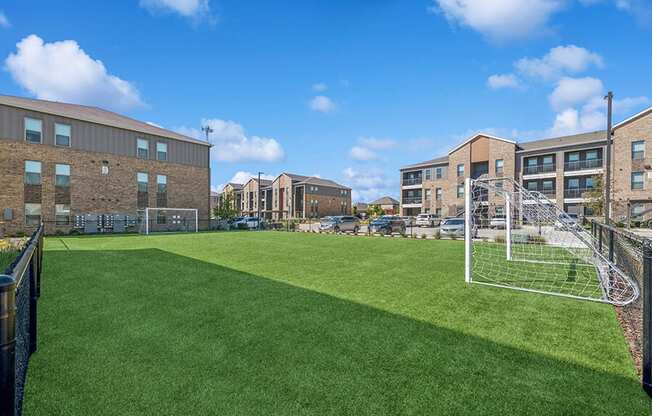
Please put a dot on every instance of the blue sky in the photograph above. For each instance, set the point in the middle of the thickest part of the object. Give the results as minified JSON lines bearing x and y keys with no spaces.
{"x":348,"y":90}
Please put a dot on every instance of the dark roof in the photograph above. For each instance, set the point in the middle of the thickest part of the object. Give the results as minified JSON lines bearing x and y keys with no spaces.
{"x":436,"y":161}
{"x":311,"y":180}
{"x":295,"y":177}
{"x":93,"y":115}
{"x":265,"y":182}
{"x":575,"y":139}
{"x":235,"y":185}
{"x":386,"y":200}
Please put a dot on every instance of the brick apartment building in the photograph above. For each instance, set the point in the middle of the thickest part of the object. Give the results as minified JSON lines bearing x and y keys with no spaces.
{"x":565,"y":169}
{"x":60,"y":162}
{"x":291,"y":196}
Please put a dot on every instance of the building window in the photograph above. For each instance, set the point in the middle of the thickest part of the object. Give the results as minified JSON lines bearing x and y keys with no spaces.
{"x":62,"y":134}
{"x":548,"y":160}
{"x":637,"y":209}
{"x":499,"y":166}
{"x":532,"y":186}
{"x":438,"y":173}
{"x":574,"y":183}
{"x":638,"y":180}
{"x":33,"y":130}
{"x":142,"y":181}
{"x":161,"y":184}
{"x":161,"y":151}
{"x":142,"y":151}
{"x":573,"y":157}
{"x":592,"y":155}
{"x":460,"y":170}
{"x":428,"y":174}
{"x":500,"y":211}
{"x":32,"y":172}
{"x":438,"y":193}
{"x":62,"y":175}
{"x":62,"y":214}
{"x":548,"y":185}
{"x":460,"y":191}
{"x":638,"y":150}
{"x":32,"y":214}
{"x":590,"y":183}
{"x":499,"y":187}
{"x":428,"y":194}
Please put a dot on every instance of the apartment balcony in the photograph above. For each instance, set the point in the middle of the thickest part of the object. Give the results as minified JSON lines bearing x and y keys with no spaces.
{"x":412,"y":181}
{"x":539,"y":169}
{"x":577,"y":193}
{"x":548,"y":193}
{"x":579,"y":165}
{"x":412,"y":200}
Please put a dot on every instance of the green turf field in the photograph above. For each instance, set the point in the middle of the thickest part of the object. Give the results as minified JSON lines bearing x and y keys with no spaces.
{"x":274,"y":323}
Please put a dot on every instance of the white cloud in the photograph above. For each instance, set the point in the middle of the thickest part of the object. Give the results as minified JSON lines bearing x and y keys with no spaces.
{"x":499,"y":19}
{"x":243,"y":177}
{"x":369,"y":184}
{"x":570,"y":92}
{"x":4,"y":22}
{"x":558,"y":61}
{"x":376,"y":143}
{"x":362,"y":153}
{"x":196,"y":9}
{"x":499,"y":81}
{"x":319,"y":87}
{"x":232,"y":144}
{"x":322,"y":104}
{"x":62,"y":71}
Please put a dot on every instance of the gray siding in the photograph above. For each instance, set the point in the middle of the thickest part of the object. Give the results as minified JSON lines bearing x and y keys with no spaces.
{"x":99,"y":138}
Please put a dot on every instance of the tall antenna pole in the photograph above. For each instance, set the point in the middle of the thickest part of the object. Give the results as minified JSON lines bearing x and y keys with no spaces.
{"x":607,"y":188}
{"x":207,"y":130}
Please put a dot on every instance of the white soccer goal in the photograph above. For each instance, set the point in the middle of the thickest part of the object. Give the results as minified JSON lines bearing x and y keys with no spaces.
{"x":168,"y":220}
{"x":519,"y":239}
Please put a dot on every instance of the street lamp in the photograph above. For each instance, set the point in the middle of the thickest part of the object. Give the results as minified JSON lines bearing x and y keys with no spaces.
{"x":207,"y":130}
{"x":258,"y":219}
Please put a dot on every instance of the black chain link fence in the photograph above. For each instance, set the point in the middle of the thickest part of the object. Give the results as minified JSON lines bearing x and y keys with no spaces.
{"x":633,"y":255}
{"x":19,"y":292}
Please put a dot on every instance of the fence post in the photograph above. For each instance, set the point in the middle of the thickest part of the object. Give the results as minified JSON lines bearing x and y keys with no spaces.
{"x":7,"y":346}
{"x":600,"y":237}
{"x":33,"y":301}
{"x":647,"y":319}
{"x":611,"y":245}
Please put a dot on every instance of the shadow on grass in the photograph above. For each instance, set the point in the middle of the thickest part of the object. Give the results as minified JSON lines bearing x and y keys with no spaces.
{"x":151,"y":332}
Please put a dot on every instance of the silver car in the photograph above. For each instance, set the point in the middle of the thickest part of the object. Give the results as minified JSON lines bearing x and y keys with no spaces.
{"x":453,"y":227}
{"x":338,"y":224}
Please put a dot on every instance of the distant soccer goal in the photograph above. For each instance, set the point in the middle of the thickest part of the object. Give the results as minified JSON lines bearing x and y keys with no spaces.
{"x":519,"y":239}
{"x":153,"y":220}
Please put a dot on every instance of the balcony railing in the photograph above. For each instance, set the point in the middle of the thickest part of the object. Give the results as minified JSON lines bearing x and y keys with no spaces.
{"x":549,"y":193}
{"x":576,"y":192}
{"x":411,"y":200}
{"x":545,"y":168}
{"x":583,"y":164}
{"x":412,"y":181}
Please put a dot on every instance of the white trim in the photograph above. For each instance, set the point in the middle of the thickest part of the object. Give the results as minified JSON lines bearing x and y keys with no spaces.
{"x":622,"y":123}
{"x":546,"y":175}
{"x":415,"y":186}
{"x":411,"y":205}
{"x":475,"y":136}
{"x":597,"y":171}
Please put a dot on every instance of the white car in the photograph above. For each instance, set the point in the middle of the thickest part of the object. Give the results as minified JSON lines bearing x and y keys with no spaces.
{"x":427,"y":220}
{"x":568,"y":221}
{"x":497,"y":223}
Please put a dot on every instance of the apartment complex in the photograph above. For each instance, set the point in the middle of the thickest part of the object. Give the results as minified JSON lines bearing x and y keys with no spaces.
{"x":290,"y":196}
{"x":60,"y":163}
{"x":565,"y":169}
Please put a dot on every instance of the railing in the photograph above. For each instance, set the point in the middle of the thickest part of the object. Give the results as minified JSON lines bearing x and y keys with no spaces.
{"x":412,"y":200}
{"x":550,"y":193}
{"x":577,"y":192}
{"x":545,"y":168}
{"x":633,"y":255}
{"x":412,"y":181}
{"x":583,"y":164}
{"x":20,"y":288}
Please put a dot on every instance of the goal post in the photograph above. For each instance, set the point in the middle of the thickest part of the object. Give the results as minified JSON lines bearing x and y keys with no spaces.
{"x":169,"y":220}
{"x":519,"y":239}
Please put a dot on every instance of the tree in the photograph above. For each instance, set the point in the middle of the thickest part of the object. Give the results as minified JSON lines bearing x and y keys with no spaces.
{"x":225,"y":209}
{"x":375,"y":211}
{"x":595,"y":196}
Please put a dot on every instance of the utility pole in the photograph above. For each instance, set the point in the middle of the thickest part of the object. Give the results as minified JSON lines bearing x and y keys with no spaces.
{"x":607,"y":197}
{"x":207,"y":130}
{"x":258,"y":186}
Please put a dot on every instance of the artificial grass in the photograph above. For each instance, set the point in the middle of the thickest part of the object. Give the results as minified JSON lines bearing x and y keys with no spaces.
{"x":275,"y":323}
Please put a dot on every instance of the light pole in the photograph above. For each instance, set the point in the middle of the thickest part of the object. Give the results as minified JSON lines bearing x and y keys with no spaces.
{"x":207,"y":130}
{"x":607,"y":196}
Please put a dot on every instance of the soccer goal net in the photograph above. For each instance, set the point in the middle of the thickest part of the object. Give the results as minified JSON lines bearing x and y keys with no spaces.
{"x":520,"y":239}
{"x":154,"y":220}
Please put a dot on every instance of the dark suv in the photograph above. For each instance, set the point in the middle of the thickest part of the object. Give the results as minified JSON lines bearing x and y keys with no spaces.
{"x":387,"y":225}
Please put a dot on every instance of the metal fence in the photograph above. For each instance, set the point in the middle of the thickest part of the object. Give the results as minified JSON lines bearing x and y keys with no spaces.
{"x":633,"y":255}
{"x":20,"y":288}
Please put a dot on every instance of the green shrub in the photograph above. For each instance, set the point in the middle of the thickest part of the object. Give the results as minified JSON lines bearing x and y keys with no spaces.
{"x":536,"y":239}
{"x":242,"y":226}
{"x":437,"y":234}
{"x":500,"y":239}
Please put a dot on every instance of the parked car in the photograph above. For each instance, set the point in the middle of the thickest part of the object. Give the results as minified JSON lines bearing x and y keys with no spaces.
{"x":498,"y":222}
{"x":427,"y":220}
{"x":454,"y":227}
{"x":568,"y":221}
{"x":409,"y":221}
{"x":249,"y":223}
{"x":386,"y":226}
{"x":339,"y":223}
